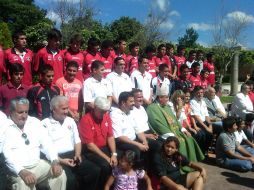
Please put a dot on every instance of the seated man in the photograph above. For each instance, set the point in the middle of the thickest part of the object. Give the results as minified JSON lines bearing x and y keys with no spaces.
{"x":242,"y":104}
{"x":22,"y":155}
{"x":96,"y":135}
{"x":165,"y":124}
{"x":65,"y":137}
{"x":123,"y":126}
{"x":220,"y":107}
{"x":229,"y":153}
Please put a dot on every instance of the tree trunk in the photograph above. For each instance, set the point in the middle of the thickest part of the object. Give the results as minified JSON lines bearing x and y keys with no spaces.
{"x":234,"y":74}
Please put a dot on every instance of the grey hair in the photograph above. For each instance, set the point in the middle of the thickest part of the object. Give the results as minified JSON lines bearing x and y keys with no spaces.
{"x":55,"y":101}
{"x":102,"y":103}
{"x":18,"y":100}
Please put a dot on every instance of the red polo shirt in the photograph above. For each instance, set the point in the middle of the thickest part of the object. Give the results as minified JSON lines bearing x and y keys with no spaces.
{"x":164,"y":59}
{"x":2,"y":69}
{"x":26,"y":61}
{"x":108,"y":64}
{"x":211,"y":76}
{"x":131,"y":64}
{"x":45,"y":56}
{"x":79,"y":58}
{"x":179,"y":61}
{"x":88,"y":59}
{"x":92,"y":131}
{"x":8,"y":92}
{"x":152,"y":66}
{"x":195,"y":80}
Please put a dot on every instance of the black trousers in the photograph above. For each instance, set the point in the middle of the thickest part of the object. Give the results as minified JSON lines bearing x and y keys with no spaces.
{"x":86,"y":174}
{"x":105,"y":168}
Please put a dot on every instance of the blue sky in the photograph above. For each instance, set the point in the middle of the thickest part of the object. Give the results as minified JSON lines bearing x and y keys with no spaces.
{"x":200,"y":14}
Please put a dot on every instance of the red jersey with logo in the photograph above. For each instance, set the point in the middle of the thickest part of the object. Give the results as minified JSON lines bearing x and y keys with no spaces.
{"x":164,"y":59}
{"x":108,"y":64}
{"x":211,"y":76}
{"x":88,"y":59}
{"x":179,"y":60}
{"x":204,"y":83}
{"x":131,"y":63}
{"x":45,"y":56}
{"x":152,"y":66}
{"x":26,"y":60}
{"x":195,"y":80}
{"x":77,"y":57}
{"x":2,"y":69}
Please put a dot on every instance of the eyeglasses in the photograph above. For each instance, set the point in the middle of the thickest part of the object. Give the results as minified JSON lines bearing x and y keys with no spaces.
{"x":24,"y":136}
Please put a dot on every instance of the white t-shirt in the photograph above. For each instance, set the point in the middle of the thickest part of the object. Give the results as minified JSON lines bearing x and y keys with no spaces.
{"x":241,"y":105}
{"x":240,"y":136}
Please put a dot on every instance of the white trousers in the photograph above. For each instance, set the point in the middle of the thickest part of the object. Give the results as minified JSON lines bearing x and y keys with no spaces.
{"x":44,"y":177}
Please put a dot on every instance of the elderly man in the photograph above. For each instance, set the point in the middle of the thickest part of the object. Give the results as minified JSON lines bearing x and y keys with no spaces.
{"x":22,"y":155}
{"x":242,"y":104}
{"x":214,"y":112}
{"x":96,"y":135}
{"x":165,"y":124}
{"x":65,"y":137}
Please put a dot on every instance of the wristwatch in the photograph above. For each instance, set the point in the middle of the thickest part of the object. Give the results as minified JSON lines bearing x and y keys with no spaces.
{"x":114,"y":154}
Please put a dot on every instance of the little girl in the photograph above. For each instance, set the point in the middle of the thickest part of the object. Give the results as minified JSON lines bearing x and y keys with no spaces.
{"x":125,"y":176}
{"x":167,"y":167}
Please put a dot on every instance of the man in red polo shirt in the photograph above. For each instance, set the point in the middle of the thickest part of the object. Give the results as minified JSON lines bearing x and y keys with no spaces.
{"x":194,"y":77}
{"x":90,"y":55}
{"x":106,"y":48}
{"x":20,"y":54}
{"x":73,"y":53}
{"x":180,"y":58}
{"x":13,"y":88}
{"x":96,"y":134}
{"x":132,"y":58}
{"x":120,"y":49}
{"x":51,"y":55}
{"x":150,"y":51}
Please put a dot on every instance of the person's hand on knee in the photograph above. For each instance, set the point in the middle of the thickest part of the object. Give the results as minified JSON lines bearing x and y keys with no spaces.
{"x":28,"y":177}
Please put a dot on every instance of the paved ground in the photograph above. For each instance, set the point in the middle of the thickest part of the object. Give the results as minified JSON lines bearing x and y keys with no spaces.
{"x":220,"y":178}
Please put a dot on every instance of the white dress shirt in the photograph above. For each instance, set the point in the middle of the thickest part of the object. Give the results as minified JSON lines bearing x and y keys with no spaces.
{"x":64,"y":136}
{"x":93,"y":88}
{"x":218,"y":104}
{"x":199,"y":108}
{"x":241,"y":105}
{"x":20,"y":155}
{"x":123,"y":125}
{"x":140,"y":118}
{"x":119,"y":83}
{"x":143,"y":82}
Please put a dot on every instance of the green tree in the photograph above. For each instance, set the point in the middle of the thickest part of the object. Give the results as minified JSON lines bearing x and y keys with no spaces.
{"x":126,"y":28}
{"x":20,"y":14}
{"x":189,"y":39}
{"x":5,"y":36}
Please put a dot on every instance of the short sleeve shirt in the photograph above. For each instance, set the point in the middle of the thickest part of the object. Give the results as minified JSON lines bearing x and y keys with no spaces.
{"x":93,"y":131}
{"x":199,"y":108}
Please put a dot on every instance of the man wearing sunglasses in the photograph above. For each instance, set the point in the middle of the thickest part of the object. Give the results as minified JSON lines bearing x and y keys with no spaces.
{"x":24,"y":139}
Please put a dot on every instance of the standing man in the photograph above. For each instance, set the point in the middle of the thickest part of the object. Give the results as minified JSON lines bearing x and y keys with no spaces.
{"x":63,"y":132}
{"x":96,"y":85}
{"x":41,"y":94}
{"x":22,"y":155}
{"x":120,"y":49}
{"x":70,"y":87}
{"x":180,"y":58}
{"x":96,"y":133}
{"x":132,"y":58}
{"x":191,"y":59}
{"x":105,"y":56}
{"x":51,"y":55}
{"x":20,"y":54}
{"x":141,"y":79}
{"x":119,"y":80}
{"x":13,"y":88}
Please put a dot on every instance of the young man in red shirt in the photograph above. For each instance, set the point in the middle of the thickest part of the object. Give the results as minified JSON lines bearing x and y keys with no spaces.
{"x":106,"y":48}
{"x":194,"y":77}
{"x":51,"y":54}
{"x":20,"y":54}
{"x":90,"y":55}
{"x":170,"y":53}
{"x":73,"y":53}
{"x":180,"y":58}
{"x":150,"y":51}
{"x":13,"y":88}
{"x":132,"y":58}
{"x":120,"y":49}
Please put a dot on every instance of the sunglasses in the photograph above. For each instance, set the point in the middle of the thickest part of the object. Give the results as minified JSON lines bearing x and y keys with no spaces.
{"x":24,"y":136}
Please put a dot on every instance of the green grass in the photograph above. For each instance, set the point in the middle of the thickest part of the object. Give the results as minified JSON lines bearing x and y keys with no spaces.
{"x":227,"y":99}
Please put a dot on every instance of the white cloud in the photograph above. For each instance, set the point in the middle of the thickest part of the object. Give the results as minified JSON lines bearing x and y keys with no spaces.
{"x":167,"y":25}
{"x":238,"y":15}
{"x":162,"y":4}
{"x":174,"y":13}
{"x":53,"y":16}
{"x":200,"y":26}
{"x":202,"y":43}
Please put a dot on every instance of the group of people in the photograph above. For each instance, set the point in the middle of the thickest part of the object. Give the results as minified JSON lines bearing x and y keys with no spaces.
{"x":99,"y":116}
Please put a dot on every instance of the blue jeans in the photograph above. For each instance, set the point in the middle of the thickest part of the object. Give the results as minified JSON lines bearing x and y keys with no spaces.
{"x":237,"y":164}
{"x":248,"y":149}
